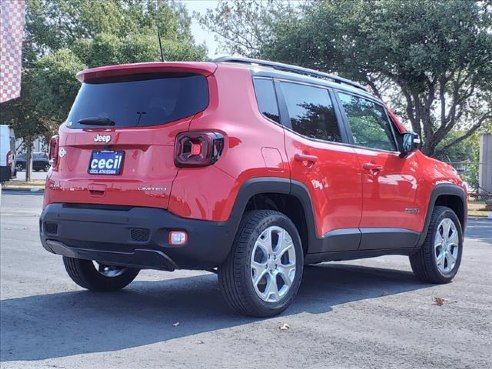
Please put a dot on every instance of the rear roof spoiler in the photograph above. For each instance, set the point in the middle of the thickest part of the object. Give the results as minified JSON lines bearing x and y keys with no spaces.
{"x":205,"y":68}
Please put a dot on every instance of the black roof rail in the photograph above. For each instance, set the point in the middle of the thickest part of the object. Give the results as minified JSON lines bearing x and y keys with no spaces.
{"x":289,"y":68}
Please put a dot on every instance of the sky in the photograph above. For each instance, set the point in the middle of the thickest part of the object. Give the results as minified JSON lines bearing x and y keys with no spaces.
{"x":199,"y":33}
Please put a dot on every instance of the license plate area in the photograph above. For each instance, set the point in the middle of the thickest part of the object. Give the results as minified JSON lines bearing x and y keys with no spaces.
{"x":106,"y":162}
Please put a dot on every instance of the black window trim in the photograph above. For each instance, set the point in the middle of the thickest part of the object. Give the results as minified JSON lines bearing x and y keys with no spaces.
{"x":285,"y":117}
{"x":349,"y":128}
{"x":276,"y":97}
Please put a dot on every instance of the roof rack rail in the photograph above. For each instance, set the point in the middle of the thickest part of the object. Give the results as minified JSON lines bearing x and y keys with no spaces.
{"x":289,"y":68}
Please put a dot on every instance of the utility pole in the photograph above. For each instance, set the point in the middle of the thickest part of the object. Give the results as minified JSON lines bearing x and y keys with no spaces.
{"x":157,"y":7}
{"x":28,"y":158}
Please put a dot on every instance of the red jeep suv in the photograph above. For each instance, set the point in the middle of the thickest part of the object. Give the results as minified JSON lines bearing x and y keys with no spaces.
{"x":245,"y":167}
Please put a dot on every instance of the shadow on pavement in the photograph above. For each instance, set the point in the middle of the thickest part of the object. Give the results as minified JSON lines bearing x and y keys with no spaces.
{"x":71,"y":323}
{"x":480,"y":229}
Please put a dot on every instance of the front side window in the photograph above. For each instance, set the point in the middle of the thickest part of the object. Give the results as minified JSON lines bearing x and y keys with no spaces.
{"x":311,"y":111}
{"x":369,"y":123}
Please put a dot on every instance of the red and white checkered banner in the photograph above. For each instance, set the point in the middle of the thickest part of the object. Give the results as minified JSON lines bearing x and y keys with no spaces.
{"x":12,"y":18}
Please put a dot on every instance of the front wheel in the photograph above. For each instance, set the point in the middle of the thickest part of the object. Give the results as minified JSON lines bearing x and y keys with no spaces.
{"x":263,"y":272}
{"x":96,"y":276}
{"x":439,"y":258}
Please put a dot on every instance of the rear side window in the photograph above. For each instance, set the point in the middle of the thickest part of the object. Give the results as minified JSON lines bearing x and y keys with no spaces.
{"x":142,"y":101}
{"x":267,"y":99}
{"x":311,"y":111}
{"x":369,"y":123}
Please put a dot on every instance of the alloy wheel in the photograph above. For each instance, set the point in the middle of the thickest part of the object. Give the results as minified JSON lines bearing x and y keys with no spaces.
{"x":273,"y":264}
{"x":446,"y":246}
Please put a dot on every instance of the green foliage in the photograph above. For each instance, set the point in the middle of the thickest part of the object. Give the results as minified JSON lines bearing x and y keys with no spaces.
{"x":460,"y":152}
{"x":430,"y":57}
{"x":53,"y":84}
{"x":435,"y":53}
{"x":56,"y":24}
{"x":66,"y":36}
{"x":245,"y":25}
{"x":21,"y":110}
{"x":465,"y":154}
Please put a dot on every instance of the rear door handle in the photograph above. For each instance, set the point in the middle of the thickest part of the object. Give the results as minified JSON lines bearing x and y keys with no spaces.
{"x":372,"y":167}
{"x":305,"y":159}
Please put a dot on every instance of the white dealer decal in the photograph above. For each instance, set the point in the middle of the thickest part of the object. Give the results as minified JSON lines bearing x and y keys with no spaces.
{"x":106,"y":162}
{"x":102,"y":138}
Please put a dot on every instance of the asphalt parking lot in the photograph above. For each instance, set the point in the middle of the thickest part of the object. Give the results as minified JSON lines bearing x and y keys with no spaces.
{"x":35,"y":176}
{"x":361,"y":314}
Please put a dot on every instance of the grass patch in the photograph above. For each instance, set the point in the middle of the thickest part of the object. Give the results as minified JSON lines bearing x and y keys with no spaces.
{"x":477,"y":209}
{"x":24,"y":184}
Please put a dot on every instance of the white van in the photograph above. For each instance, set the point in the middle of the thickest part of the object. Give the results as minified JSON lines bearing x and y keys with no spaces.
{"x":7,"y":153}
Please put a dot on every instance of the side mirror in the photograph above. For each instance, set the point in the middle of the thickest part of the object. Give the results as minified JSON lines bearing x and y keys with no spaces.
{"x":410,"y":143}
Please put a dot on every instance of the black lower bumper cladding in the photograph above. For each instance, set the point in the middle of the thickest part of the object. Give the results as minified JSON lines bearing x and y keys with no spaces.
{"x":133,"y":236}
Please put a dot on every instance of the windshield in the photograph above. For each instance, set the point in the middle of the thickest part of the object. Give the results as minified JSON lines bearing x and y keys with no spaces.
{"x":138,"y":100}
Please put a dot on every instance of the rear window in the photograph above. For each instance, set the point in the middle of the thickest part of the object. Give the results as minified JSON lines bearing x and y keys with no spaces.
{"x":141,"y":101}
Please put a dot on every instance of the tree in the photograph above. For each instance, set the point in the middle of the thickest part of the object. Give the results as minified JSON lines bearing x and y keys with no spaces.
{"x":56,"y":24}
{"x":431,"y":57}
{"x":66,"y":36}
{"x":244,"y":26}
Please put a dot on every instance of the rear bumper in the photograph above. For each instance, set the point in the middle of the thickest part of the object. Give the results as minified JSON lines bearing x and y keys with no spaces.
{"x":133,"y":236}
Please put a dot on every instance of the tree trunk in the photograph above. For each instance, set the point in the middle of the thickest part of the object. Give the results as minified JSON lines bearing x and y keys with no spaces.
{"x":28,"y":159}
{"x":428,"y":148}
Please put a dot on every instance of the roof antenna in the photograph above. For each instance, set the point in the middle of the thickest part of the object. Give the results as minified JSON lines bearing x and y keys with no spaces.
{"x":158,"y":32}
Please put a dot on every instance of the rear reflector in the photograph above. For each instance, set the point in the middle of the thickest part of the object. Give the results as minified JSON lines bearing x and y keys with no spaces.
{"x":178,"y":238}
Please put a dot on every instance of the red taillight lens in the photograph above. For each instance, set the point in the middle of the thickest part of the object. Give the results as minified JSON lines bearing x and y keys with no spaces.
{"x":9,"y":158}
{"x":53,"y":151}
{"x":198,"y":149}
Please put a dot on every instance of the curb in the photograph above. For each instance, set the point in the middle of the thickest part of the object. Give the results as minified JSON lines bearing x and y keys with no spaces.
{"x":480,"y":218}
{"x":25,"y":190}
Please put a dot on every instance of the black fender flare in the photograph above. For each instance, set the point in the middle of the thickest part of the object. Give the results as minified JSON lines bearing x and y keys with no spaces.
{"x":441,"y":189}
{"x":273,"y":185}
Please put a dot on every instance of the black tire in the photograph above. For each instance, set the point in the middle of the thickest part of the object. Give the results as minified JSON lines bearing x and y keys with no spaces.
{"x":235,"y":275}
{"x":46,"y":167}
{"x":424,"y":263}
{"x":85,"y":274}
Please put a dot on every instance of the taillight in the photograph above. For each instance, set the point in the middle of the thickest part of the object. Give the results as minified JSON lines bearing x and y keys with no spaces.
{"x":198,"y":149}
{"x":53,"y":151}
{"x":9,"y":158}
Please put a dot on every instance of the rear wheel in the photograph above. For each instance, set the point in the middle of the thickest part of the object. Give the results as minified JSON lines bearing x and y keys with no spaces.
{"x":97,"y":276}
{"x":263,"y":272}
{"x":439,"y":258}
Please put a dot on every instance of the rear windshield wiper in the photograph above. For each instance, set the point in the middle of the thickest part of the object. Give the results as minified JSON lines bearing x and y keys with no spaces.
{"x":97,"y":121}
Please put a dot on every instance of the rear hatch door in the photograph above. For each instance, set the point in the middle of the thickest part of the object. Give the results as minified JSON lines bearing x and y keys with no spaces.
{"x":117,"y":144}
